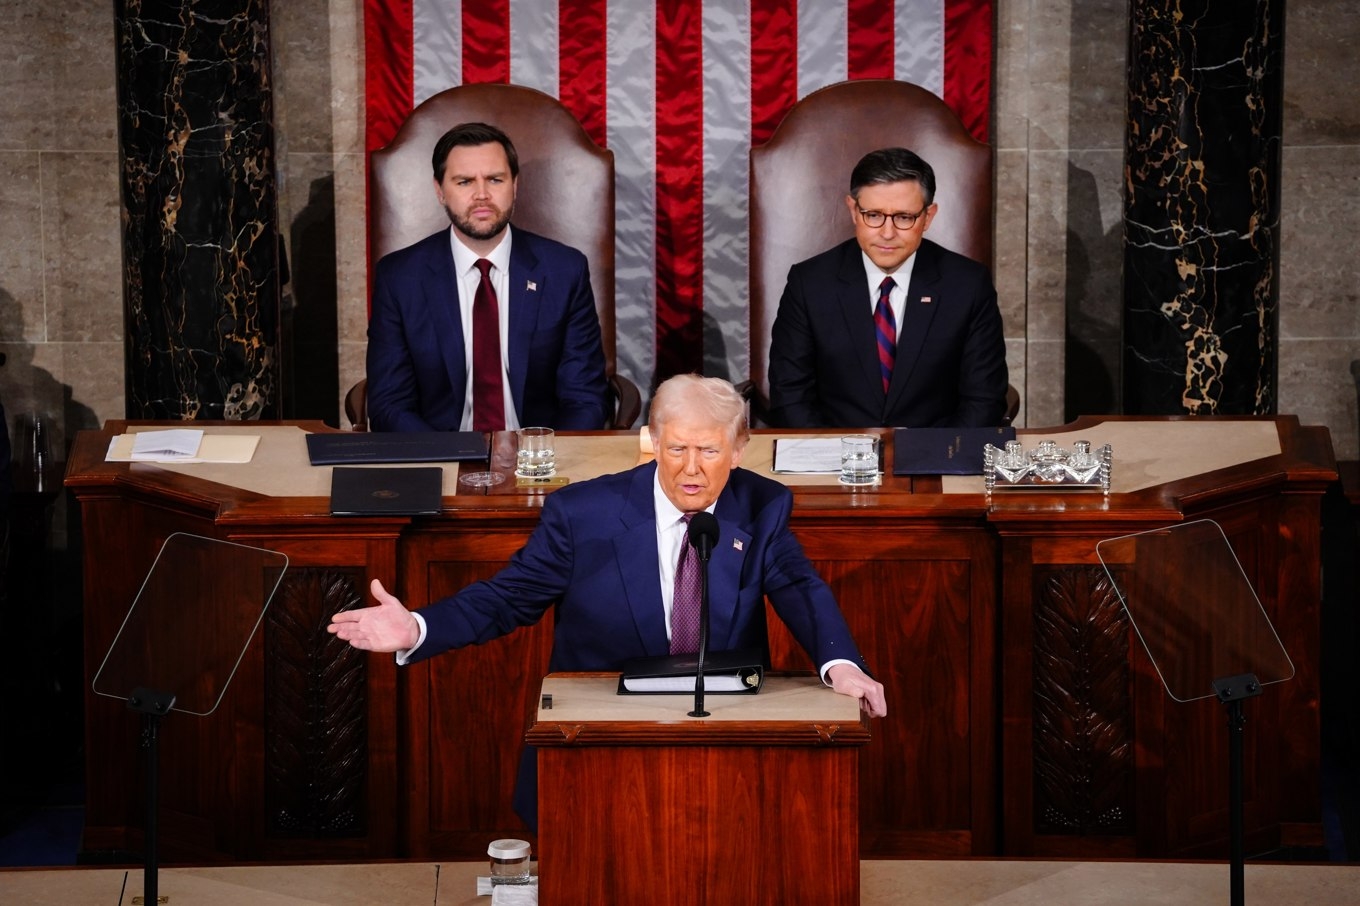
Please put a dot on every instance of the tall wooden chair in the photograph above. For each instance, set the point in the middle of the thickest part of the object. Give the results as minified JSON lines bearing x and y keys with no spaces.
{"x":800,"y":177}
{"x":566,"y":192}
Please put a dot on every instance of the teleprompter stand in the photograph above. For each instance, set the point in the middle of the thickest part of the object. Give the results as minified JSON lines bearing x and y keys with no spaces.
{"x":1205,"y":632}
{"x":180,"y":644}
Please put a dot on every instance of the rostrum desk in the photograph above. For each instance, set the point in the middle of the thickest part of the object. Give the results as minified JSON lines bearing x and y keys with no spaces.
{"x":1024,"y":718}
{"x":755,"y":804}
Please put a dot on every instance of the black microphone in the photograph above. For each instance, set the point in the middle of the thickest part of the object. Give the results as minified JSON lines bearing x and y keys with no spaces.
{"x":703,"y":535}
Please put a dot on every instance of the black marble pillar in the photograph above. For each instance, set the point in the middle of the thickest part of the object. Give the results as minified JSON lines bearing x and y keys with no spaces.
{"x":1202,"y":207}
{"x":200,"y":241}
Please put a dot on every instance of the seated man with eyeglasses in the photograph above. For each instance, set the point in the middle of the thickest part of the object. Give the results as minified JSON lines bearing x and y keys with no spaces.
{"x":888,"y":328}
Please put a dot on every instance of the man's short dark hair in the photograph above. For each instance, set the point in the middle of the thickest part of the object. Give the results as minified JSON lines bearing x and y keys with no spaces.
{"x":888,"y":165}
{"x":467,"y":135}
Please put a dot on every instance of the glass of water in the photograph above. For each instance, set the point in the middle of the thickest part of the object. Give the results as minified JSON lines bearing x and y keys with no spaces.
{"x":859,"y":459}
{"x":535,"y":457}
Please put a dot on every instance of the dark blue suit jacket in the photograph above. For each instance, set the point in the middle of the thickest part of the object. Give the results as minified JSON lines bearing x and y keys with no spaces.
{"x":594,"y":553}
{"x":951,"y":354}
{"x":417,"y":367}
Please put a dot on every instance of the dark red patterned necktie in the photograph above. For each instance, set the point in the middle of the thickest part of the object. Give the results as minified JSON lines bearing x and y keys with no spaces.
{"x":685,"y":604}
{"x":488,"y":396}
{"x":885,"y":325}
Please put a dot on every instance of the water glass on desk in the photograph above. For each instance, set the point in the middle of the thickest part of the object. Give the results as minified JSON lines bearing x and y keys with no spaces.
{"x":859,"y":459}
{"x":535,"y":456}
{"x":509,"y":862}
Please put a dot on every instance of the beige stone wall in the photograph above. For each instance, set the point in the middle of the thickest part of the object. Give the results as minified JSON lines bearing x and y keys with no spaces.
{"x":61,"y":314}
{"x":1059,"y":135}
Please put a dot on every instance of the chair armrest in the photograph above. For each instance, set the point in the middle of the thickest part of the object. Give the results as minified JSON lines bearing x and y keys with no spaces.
{"x":626,"y":402}
{"x":356,"y":406}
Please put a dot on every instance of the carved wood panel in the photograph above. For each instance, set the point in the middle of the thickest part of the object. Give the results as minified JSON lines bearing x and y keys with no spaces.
{"x":1083,"y":724}
{"x":315,"y":721}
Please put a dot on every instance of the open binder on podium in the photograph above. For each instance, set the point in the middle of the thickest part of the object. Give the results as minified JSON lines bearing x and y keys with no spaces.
{"x":182,"y":640}
{"x":1204,"y":630}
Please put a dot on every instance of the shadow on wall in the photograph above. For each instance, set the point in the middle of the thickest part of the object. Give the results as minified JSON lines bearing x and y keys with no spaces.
{"x":31,"y":395}
{"x":1094,"y":303}
{"x":716,"y":336}
{"x":311,"y":360}
{"x":31,"y":392}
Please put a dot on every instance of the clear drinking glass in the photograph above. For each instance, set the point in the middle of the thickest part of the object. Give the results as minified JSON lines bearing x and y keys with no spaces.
{"x":509,"y":861}
{"x":859,"y":459}
{"x":535,"y":457}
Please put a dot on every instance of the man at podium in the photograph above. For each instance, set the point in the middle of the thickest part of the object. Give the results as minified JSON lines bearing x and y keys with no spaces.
{"x":612,"y":553}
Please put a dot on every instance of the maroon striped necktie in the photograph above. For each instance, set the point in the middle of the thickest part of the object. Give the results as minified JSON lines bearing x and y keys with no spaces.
{"x":885,"y":326}
{"x":488,"y":395}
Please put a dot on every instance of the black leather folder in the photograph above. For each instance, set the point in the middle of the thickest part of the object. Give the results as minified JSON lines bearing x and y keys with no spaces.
{"x":725,"y":673}
{"x":358,"y":447}
{"x":944,"y":451}
{"x":375,"y":491}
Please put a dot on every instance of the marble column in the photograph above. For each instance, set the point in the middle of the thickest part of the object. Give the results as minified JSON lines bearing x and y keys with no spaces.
{"x":200,"y":239}
{"x":1202,"y":207}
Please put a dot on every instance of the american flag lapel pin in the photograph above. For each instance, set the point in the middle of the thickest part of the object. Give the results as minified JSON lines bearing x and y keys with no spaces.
{"x":737,"y":545}
{"x":925,"y":300}
{"x":531,"y":286}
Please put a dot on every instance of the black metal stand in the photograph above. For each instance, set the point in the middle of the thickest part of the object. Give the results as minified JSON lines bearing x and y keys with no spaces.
{"x":703,"y":641}
{"x":182,"y":658}
{"x":154,"y":705}
{"x":1231,"y":691}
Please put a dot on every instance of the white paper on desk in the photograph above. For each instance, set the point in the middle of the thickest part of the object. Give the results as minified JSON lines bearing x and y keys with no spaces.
{"x":228,"y":448}
{"x":820,"y":455}
{"x":169,"y":445}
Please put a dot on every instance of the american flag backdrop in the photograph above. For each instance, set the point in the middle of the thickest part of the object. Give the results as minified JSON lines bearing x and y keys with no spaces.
{"x":679,"y":90}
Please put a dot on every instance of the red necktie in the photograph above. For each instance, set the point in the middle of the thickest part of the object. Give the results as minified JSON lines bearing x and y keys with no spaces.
{"x":685,"y":604}
{"x":886,"y":327}
{"x":488,"y":397}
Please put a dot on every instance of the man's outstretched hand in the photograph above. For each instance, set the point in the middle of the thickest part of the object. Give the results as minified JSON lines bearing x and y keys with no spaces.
{"x":386,"y":626}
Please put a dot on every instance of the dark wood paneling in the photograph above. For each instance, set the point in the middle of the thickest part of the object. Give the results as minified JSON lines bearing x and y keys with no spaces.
{"x":683,"y":825}
{"x":474,"y":704}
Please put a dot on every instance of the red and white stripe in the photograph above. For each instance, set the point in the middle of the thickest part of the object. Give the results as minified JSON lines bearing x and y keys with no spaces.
{"x":679,"y":90}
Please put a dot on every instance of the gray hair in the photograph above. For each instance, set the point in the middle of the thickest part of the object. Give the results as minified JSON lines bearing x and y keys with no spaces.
{"x":708,"y":396}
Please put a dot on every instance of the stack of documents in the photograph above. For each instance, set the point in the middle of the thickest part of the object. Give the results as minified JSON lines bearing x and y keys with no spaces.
{"x":181,"y":445}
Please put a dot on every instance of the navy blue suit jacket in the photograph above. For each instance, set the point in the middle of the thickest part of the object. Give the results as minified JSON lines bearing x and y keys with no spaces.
{"x":594,"y":554}
{"x":951,"y":355}
{"x":417,"y":366}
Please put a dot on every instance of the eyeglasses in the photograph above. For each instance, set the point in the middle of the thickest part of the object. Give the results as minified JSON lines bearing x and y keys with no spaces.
{"x":875,"y":219}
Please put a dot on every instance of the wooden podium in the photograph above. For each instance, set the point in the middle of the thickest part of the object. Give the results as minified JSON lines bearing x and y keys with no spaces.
{"x":640,"y":803}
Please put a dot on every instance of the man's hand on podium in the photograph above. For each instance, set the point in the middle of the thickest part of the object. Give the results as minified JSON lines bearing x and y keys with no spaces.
{"x":387,"y":626}
{"x":847,"y":679}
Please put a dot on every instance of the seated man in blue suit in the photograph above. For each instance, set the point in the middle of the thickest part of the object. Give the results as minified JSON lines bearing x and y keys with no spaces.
{"x":607,"y":550}
{"x":455,"y":343}
{"x":888,"y":328}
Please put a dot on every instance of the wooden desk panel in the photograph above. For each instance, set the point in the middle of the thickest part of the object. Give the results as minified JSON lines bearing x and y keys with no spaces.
{"x":466,"y":712}
{"x":754,"y":804}
{"x":920,"y":599}
{"x":959,"y":604}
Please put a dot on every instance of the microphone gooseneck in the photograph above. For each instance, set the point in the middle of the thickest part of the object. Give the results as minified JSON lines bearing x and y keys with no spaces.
{"x":703,"y":536}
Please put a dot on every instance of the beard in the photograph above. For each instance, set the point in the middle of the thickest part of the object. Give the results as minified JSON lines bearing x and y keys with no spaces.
{"x":472,"y":230}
